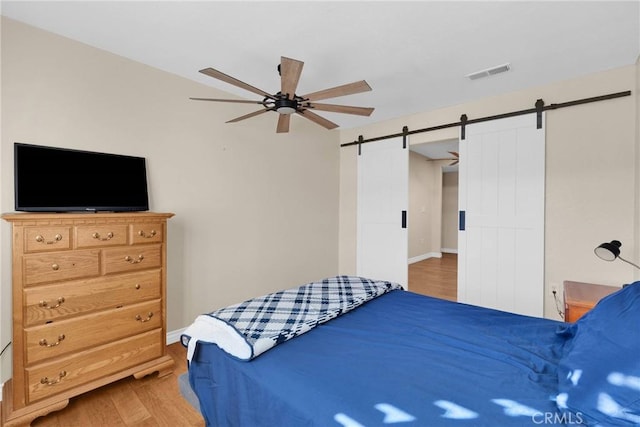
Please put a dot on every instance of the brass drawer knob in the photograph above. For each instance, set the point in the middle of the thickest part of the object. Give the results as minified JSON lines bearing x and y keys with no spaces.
{"x":131,"y":260}
{"x":140,"y":319}
{"x":45,"y":304}
{"x":137,"y":286}
{"x":43,"y":342}
{"x":151,"y":234}
{"x":47,"y":381}
{"x":41,"y":239}
{"x":97,"y":236}
{"x":55,"y":267}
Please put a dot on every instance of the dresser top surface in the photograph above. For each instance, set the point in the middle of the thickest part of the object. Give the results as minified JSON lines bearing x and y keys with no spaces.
{"x":47,"y":216}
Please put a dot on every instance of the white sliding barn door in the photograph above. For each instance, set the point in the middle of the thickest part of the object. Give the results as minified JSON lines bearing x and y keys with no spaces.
{"x":501,"y":202}
{"x":383,"y":193}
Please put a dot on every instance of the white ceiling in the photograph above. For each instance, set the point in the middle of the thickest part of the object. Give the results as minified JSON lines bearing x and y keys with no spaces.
{"x":415,"y":54}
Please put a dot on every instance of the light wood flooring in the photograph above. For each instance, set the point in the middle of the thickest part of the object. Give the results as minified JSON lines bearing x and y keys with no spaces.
{"x":153,"y":401}
{"x":436,"y":277}
{"x":147,"y":402}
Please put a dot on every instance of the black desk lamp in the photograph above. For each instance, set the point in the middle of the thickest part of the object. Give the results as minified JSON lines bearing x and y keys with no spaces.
{"x":610,"y":251}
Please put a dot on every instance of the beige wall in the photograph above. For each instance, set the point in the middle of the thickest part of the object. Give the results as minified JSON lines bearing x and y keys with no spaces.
{"x":255,"y":211}
{"x":591,"y":173}
{"x":450,"y":212}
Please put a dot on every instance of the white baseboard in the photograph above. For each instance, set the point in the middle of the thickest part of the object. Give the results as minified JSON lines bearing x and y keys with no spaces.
{"x":174,"y":336}
{"x":425,"y":256}
{"x":449,"y":250}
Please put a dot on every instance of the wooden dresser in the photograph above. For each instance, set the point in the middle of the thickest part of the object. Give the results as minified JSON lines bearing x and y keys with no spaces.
{"x":89,"y":304}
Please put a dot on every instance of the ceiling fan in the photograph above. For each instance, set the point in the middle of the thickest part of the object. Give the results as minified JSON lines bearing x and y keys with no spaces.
{"x":456,"y":158}
{"x":287,"y":102}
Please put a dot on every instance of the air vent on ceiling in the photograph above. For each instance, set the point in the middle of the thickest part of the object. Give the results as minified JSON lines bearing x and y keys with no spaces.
{"x":489,"y":71}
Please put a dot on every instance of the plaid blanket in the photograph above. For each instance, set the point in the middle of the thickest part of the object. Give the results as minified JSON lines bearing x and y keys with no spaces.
{"x":250,"y":328}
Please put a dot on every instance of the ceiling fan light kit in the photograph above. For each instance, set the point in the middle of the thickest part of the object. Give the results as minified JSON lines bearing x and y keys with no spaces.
{"x":286,"y":105}
{"x":286,"y":102}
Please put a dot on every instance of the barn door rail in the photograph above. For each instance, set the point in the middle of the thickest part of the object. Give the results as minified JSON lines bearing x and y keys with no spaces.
{"x":464,"y":120}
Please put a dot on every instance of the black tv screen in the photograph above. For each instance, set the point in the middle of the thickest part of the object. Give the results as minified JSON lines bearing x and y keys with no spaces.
{"x":50,"y":179}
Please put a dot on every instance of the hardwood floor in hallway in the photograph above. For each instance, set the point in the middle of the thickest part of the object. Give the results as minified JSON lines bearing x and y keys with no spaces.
{"x":436,"y":277}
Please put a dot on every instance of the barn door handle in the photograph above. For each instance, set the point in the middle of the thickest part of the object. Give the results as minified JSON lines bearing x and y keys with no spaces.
{"x":404,"y":219}
{"x":461,"y":220}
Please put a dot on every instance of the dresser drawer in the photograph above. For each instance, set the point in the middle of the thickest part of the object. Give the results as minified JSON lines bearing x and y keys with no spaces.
{"x":48,"y":379}
{"x":117,"y":260}
{"x":38,"y":239}
{"x":147,"y":232}
{"x":51,"y":267}
{"x":88,"y":236}
{"x":57,"y":338}
{"x":58,"y":301}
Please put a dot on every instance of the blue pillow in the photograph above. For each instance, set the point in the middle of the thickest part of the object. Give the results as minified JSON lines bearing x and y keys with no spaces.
{"x":599,"y":372}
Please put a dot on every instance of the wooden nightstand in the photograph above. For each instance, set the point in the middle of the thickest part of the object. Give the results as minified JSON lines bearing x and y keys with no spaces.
{"x":581,"y":297}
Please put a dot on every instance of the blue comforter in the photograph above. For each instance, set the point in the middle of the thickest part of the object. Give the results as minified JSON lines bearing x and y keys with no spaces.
{"x":401,"y":359}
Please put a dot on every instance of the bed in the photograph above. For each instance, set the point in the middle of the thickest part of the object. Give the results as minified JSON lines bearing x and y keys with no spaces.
{"x":393,"y":357}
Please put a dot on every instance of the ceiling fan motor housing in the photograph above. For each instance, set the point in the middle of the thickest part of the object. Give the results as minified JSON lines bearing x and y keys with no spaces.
{"x":284,"y":105}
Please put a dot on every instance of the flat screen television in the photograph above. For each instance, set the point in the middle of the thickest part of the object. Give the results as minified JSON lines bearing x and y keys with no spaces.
{"x":51,"y":179}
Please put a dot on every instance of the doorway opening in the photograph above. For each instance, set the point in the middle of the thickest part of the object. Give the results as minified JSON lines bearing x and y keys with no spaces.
{"x":433,"y":219}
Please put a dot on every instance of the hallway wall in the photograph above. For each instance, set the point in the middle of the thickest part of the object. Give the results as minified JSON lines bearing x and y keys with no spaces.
{"x":450,"y":212}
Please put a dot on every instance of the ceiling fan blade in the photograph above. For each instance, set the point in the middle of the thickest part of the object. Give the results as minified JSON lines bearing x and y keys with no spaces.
{"x":454,"y":153}
{"x":231,"y":80}
{"x":247,"y":116}
{"x":317,"y":119}
{"x":343,"y":90}
{"x":346,"y":109}
{"x":240,"y":101}
{"x":455,"y":162}
{"x":283,"y":123}
{"x":290,"y":71}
